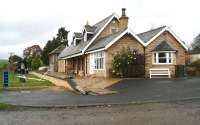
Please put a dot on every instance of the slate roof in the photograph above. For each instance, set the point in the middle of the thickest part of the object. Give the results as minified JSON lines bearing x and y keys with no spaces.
{"x":146,"y":36}
{"x":196,"y":51}
{"x":101,"y":23}
{"x":58,"y":50}
{"x":89,"y":28}
{"x":164,"y":46}
{"x":72,"y":50}
{"x":101,"y":43}
{"x":78,"y":35}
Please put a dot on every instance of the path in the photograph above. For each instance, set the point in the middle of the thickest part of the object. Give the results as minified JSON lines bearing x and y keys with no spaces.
{"x":55,"y":81}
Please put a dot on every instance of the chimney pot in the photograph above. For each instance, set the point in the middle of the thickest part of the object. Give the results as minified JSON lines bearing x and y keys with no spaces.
{"x":123,"y":12}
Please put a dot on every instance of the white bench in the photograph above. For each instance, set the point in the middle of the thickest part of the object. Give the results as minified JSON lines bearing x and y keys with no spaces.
{"x":159,"y":73}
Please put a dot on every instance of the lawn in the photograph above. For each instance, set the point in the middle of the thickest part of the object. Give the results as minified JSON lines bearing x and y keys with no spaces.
{"x":3,"y":62}
{"x":14,"y":81}
{"x":4,"y":106}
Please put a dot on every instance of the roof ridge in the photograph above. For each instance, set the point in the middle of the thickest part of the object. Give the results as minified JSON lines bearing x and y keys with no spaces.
{"x":104,"y":19}
{"x":152,"y":30}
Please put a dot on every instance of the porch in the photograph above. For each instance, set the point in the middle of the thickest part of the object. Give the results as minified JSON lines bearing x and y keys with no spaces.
{"x":76,"y":66}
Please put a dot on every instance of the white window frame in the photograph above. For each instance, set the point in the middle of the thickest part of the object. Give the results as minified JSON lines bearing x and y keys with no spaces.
{"x":155,"y":61}
{"x":95,"y":56}
{"x":85,"y":37}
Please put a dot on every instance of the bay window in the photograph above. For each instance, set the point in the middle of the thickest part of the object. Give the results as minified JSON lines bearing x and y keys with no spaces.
{"x":99,"y":60}
{"x":163,"y":57}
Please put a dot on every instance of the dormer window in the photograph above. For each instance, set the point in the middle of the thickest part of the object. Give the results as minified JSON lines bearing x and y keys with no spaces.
{"x":88,"y":32}
{"x":77,"y":38}
{"x":76,"y":41}
{"x":87,"y":35}
{"x":114,"y":30}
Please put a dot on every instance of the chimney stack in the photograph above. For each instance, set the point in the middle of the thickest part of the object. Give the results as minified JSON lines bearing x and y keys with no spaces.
{"x":123,"y":12}
{"x":123,"y":20}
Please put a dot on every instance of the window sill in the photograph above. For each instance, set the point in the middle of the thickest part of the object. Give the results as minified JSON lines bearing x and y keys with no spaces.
{"x":98,"y":69}
{"x":162,"y":64}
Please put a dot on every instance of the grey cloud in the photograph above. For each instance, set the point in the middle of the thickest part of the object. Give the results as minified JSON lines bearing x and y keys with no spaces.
{"x":27,"y":30}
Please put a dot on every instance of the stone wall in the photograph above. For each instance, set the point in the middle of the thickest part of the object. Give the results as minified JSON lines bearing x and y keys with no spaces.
{"x":125,"y":42}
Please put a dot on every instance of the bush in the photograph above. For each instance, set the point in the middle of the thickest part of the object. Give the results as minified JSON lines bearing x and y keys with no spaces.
{"x":194,"y":68}
{"x":36,"y":62}
{"x":196,"y":64}
{"x":128,"y":63}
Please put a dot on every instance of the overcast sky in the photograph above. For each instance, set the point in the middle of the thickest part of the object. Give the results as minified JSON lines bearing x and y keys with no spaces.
{"x":27,"y":22}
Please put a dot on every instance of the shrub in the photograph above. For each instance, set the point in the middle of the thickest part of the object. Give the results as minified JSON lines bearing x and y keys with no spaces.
{"x":194,"y":68}
{"x":128,"y":63}
{"x":36,"y":62}
{"x":196,"y":64}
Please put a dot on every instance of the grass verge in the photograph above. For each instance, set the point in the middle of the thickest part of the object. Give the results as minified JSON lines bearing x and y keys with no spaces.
{"x":33,"y":83}
{"x":4,"y":106}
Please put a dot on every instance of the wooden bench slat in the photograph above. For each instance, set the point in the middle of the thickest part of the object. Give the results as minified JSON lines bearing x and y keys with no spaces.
{"x":159,"y":72}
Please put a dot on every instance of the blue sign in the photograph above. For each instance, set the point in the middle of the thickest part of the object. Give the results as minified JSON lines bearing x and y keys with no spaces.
{"x":5,"y":78}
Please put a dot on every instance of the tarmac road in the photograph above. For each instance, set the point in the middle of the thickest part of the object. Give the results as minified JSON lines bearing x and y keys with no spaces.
{"x":130,"y":90}
{"x":179,"y":113}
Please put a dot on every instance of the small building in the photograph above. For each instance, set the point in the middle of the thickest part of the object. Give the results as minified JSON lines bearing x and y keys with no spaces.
{"x":53,"y":58}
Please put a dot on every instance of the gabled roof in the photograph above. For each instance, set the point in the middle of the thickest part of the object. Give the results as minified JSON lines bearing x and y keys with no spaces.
{"x":101,"y":43}
{"x":164,"y":46}
{"x":72,"y":51}
{"x":100,"y":27}
{"x":153,"y":34}
{"x":58,"y":50}
{"x":106,"y":42}
{"x":103,"y":22}
{"x":146,"y":36}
